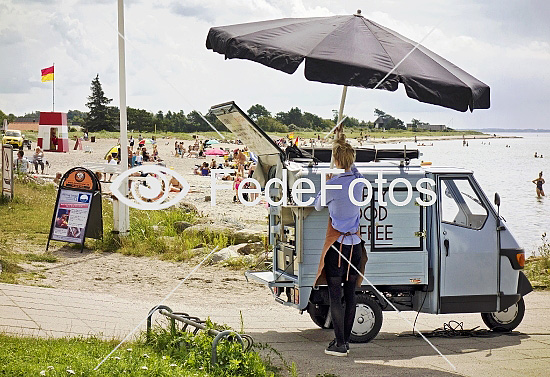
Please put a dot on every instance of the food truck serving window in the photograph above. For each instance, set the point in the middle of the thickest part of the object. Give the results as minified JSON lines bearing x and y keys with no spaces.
{"x":392,"y":227}
{"x":460,"y":204}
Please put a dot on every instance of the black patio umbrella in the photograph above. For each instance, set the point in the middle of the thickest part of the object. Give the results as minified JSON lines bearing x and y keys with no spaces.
{"x":352,"y":51}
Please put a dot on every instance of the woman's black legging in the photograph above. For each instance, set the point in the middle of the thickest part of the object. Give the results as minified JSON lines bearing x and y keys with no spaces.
{"x":342,"y":315}
{"x":339,"y":273}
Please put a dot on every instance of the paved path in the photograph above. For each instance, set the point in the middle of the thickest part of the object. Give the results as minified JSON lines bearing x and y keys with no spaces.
{"x":44,"y":312}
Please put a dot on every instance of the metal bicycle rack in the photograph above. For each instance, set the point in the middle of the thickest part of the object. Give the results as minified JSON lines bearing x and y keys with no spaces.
{"x":198,"y":325}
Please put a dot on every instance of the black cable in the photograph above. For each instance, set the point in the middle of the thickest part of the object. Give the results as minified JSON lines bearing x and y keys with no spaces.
{"x":454,"y":329}
{"x":451,"y":328}
{"x":418,"y":312}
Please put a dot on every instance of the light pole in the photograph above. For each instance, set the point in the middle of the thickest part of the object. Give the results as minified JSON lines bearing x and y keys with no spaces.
{"x":121,"y":212}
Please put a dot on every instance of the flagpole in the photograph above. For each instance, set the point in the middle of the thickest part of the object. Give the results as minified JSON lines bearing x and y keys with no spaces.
{"x":121,"y":212}
{"x":53,"y":89}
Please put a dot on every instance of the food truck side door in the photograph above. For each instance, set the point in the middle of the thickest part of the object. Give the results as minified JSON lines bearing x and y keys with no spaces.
{"x":468,"y":247}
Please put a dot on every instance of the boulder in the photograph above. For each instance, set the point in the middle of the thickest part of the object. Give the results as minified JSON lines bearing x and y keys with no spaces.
{"x":188,"y":207}
{"x":180,"y":226}
{"x":199,"y":250}
{"x":251,"y":248}
{"x":248,"y":235}
{"x":226,"y":253}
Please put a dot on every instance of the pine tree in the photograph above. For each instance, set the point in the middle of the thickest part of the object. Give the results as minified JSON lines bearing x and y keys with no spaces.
{"x":98,"y":117}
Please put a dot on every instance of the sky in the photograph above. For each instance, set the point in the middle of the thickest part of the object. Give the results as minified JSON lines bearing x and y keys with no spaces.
{"x":505,"y":44}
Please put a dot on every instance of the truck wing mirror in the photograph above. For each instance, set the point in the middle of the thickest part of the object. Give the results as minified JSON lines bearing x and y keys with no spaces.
{"x":497,"y":199}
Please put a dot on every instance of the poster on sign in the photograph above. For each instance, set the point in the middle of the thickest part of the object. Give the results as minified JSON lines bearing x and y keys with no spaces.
{"x":71,"y":216}
{"x":77,"y":213}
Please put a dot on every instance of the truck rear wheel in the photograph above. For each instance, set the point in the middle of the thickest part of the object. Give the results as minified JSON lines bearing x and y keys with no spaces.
{"x":368,"y":320}
{"x":505,"y":320}
{"x":319,"y":314}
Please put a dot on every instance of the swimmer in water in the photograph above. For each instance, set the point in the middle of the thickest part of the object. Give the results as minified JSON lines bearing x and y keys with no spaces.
{"x":539,"y":182}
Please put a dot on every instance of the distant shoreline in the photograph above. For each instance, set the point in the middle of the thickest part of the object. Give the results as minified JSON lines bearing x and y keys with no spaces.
{"x":437,"y":138}
{"x":520,"y":130}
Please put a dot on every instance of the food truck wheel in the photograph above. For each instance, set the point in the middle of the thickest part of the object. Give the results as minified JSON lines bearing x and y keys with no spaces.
{"x":318,"y":314}
{"x":368,"y":320}
{"x":507,"y":319}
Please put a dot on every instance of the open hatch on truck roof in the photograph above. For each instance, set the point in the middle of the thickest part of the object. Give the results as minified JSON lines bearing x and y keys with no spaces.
{"x":245,"y":129}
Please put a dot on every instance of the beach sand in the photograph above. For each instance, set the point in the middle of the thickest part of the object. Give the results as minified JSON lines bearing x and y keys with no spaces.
{"x":200,"y":187}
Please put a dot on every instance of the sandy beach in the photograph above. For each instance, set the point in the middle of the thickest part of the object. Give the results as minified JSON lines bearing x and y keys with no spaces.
{"x":199,"y":186}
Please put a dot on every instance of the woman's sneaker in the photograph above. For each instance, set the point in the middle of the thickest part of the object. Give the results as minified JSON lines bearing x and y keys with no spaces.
{"x":335,"y":350}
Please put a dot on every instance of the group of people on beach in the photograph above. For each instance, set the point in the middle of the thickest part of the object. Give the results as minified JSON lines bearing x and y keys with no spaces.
{"x":236,"y":159}
{"x":22,"y":164}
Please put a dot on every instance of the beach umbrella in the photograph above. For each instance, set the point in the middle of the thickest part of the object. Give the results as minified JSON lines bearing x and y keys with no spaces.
{"x":215,"y":152}
{"x":212,"y":141}
{"x":352,"y":51}
{"x":113,"y":151}
{"x":146,"y":141}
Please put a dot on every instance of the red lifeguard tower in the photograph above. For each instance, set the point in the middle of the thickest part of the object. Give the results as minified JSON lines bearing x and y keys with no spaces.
{"x":53,"y":133}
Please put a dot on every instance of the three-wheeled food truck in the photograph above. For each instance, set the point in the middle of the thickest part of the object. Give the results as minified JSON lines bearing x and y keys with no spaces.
{"x":453,"y":256}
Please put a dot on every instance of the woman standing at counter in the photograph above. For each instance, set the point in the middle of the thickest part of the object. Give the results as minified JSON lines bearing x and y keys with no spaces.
{"x":342,"y":235}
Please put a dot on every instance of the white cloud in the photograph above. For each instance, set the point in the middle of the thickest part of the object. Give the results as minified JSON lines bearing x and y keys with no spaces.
{"x":169,"y":68}
{"x":10,"y":36}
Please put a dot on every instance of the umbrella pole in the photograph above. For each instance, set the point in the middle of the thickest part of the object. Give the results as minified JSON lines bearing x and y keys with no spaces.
{"x":340,"y":115}
{"x":342,"y":103}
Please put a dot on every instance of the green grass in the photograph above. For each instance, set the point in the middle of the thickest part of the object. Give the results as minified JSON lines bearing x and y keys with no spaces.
{"x":195,"y":351}
{"x":25,"y":223}
{"x":165,"y":354}
{"x":243,"y":262}
{"x":29,"y":214}
{"x":11,"y":269}
{"x":153,"y":233}
{"x":10,"y":261}
{"x":537,"y":267}
{"x":47,"y":258}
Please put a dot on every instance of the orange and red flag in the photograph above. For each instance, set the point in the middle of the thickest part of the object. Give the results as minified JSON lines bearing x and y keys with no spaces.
{"x":47,"y":74}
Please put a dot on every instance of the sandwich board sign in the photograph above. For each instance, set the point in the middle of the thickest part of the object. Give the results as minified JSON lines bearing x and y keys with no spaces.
{"x":7,"y":171}
{"x":77,"y":213}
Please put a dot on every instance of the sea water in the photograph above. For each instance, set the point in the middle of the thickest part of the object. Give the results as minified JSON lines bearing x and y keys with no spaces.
{"x":506,"y":166}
